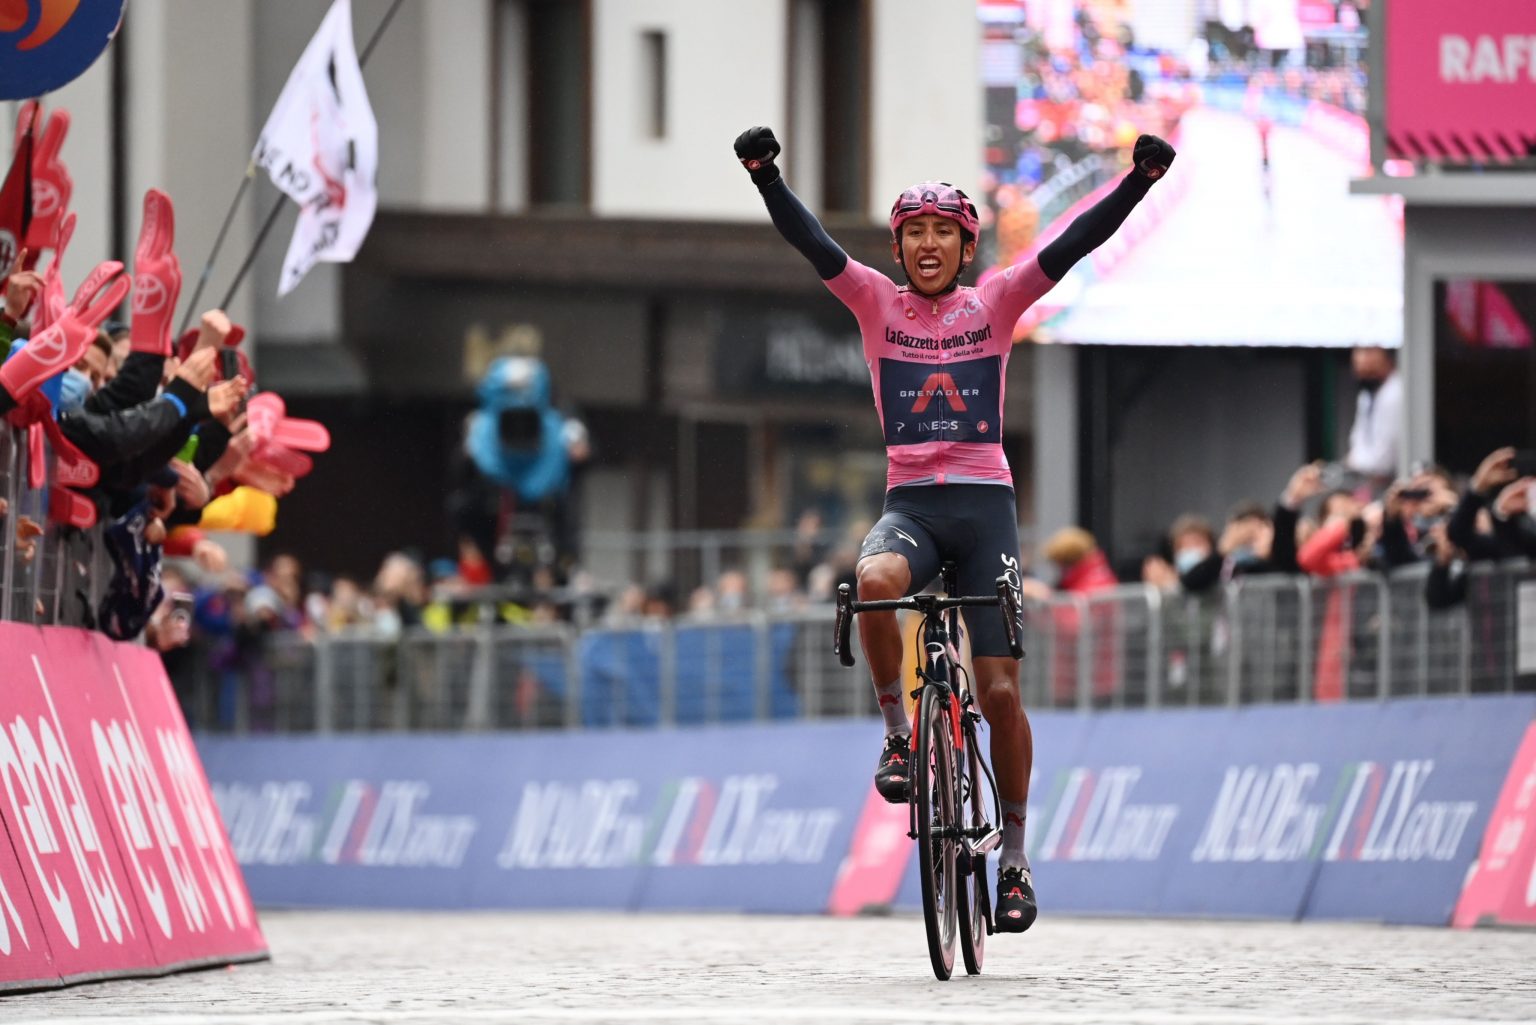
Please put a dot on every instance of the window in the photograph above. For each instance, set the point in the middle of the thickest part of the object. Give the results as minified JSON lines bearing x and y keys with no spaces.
{"x":653,"y":62}
{"x":544,"y":83}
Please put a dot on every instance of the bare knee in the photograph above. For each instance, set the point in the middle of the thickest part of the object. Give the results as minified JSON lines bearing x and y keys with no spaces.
{"x":1000,"y":701}
{"x":883,"y":576}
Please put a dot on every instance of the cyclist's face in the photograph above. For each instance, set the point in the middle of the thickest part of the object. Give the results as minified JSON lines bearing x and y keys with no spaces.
{"x":932,"y":249}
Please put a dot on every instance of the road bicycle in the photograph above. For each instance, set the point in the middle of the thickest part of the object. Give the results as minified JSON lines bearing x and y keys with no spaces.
{"x":949,"y":819}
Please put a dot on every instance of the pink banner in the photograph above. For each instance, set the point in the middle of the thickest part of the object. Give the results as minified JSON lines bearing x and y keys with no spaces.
{"x":1461,"y":79}
{"x":871,"y":874}
{"x":108,"y":818}
{"x":25,"y":961}
{"x":1502,"y":887}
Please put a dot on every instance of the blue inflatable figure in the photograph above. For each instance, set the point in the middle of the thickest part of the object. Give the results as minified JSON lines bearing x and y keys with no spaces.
{"x":516,"y":437}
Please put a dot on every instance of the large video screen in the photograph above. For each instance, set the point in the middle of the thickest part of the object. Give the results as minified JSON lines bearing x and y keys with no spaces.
{"x":1254,"y":237}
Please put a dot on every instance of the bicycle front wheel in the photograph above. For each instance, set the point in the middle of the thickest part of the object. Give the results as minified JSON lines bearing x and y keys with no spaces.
{"x":938,"y":820}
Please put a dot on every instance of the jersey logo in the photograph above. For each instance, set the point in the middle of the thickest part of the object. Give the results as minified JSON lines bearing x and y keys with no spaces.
{"x":942,"y":385}
{"x":962,"y":401}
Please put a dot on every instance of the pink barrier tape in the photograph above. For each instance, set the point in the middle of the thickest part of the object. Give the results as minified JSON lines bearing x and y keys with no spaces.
{"x":118,"y":852}
{"x":1501,"y":888}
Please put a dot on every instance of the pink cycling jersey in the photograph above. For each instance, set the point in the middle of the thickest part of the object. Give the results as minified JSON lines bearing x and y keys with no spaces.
{"x":938,"y":367}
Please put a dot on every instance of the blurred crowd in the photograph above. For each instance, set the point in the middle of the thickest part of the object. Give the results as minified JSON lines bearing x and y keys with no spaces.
{"x":1324,"y":526}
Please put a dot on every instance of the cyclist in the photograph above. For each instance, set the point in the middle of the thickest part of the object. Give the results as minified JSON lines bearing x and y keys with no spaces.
{"x":937,"y":352}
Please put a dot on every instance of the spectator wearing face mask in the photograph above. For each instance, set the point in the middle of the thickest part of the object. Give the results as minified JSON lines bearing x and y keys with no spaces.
{"x":1375,"y":436}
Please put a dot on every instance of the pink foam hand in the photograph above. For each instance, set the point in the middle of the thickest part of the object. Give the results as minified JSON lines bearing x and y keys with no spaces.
{"x":68,"y":509}
{"x":63,"y":343}
{"x":26,"y":121}
{"x":276,"y":427}
{"x":52,"y":187}
{"x":87,"y":304}
{"x":264,"y":478}
{"x":82,"y":474}
{"x":51,"y":304}
{"x":284,"y":460}
{"x":37,"y":457}
{"x":156,"y":275}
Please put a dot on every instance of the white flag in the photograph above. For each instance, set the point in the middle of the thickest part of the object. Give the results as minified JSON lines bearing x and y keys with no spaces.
{"x":320,"y":145}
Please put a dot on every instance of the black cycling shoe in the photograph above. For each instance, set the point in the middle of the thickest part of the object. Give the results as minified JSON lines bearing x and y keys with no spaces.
{"x":1016,"y":908}
{"x":894,"y":770}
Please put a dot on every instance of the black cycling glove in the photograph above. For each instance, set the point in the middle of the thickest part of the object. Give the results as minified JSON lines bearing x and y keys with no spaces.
{"x":756,"y":148}
{"x":1152,"y":156}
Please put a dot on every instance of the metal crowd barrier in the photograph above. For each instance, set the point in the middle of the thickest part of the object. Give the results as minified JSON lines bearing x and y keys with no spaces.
{"x":1260,"y":639}
{"x":59,"y":575}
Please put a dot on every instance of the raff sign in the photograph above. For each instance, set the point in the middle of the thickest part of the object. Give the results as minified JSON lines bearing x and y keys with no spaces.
{"x":1461,"y":80}
{"x":114,"y":860}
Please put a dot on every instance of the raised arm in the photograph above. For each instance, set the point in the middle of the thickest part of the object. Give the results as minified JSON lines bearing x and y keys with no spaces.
{"x":1093,"y":227}
{"x":756,"y":148}
{"x":1018,"y":287}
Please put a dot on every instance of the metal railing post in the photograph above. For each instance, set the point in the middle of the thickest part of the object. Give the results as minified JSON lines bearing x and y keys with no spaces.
{"x":666,"y":684}
{"x":572,"y":657}
{"x":762,"y":668}
{"x":1084,"y":654}
{"x":1229,"y":605}
{"x":1384,"y":638}
{"x":1305,"y":656}
{"x":482,"y":679}
{"x":325,"y":685}
{"x":1155,"y":660}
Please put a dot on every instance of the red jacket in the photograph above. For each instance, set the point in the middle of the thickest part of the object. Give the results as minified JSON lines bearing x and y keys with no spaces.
{"x":1325,"y":554}
{"x":1090,"y":573}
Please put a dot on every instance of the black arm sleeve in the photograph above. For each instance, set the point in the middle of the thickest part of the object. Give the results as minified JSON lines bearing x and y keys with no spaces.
{"x":1516,"y":537}
{"x":111,"y":439}
{"x":802,"y":230}
{"x":1203,"y":575}
{"x":1282,"y":550}
{"x":212,"y":441}
{"x":1462,"y":528}
{"x":1092,"y":228}
{"x":1396,"y":549}
{"x":1444,"y":589}
{"x":136,"y":382}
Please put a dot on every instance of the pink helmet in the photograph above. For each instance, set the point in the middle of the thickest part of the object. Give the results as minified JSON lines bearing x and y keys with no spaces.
{"x":939,"y":198}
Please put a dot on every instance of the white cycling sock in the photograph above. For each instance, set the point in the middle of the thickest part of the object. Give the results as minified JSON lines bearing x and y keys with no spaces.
{"x":1012,"y":854}
{"x":892,"y":710}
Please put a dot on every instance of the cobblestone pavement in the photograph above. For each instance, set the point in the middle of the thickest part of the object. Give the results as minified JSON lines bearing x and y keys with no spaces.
{"x":422,"y":969}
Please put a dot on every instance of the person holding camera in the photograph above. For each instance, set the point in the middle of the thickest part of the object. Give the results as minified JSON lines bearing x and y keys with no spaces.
{"x":1493,"y":519}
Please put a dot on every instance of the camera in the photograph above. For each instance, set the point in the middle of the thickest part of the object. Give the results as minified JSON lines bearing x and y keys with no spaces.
{"x":181,"y":607}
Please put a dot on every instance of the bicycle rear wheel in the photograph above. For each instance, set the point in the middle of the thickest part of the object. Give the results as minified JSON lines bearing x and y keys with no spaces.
{"x":974,"y":903}
{"x":937,"y":815}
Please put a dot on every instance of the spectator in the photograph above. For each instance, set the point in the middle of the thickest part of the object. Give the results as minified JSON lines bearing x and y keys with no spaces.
{"x":1083,"y":567}
{"x":1492,"y":520}
{"x":1375,"y":435}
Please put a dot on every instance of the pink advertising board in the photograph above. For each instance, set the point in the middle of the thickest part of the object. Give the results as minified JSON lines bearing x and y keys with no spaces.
{"x":1461,"y":80}
{"x":1501,"y":889}
{"x":113,"y":860}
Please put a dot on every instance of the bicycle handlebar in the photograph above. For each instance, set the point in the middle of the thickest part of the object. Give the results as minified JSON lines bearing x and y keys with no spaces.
{"x":927,"y":604}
